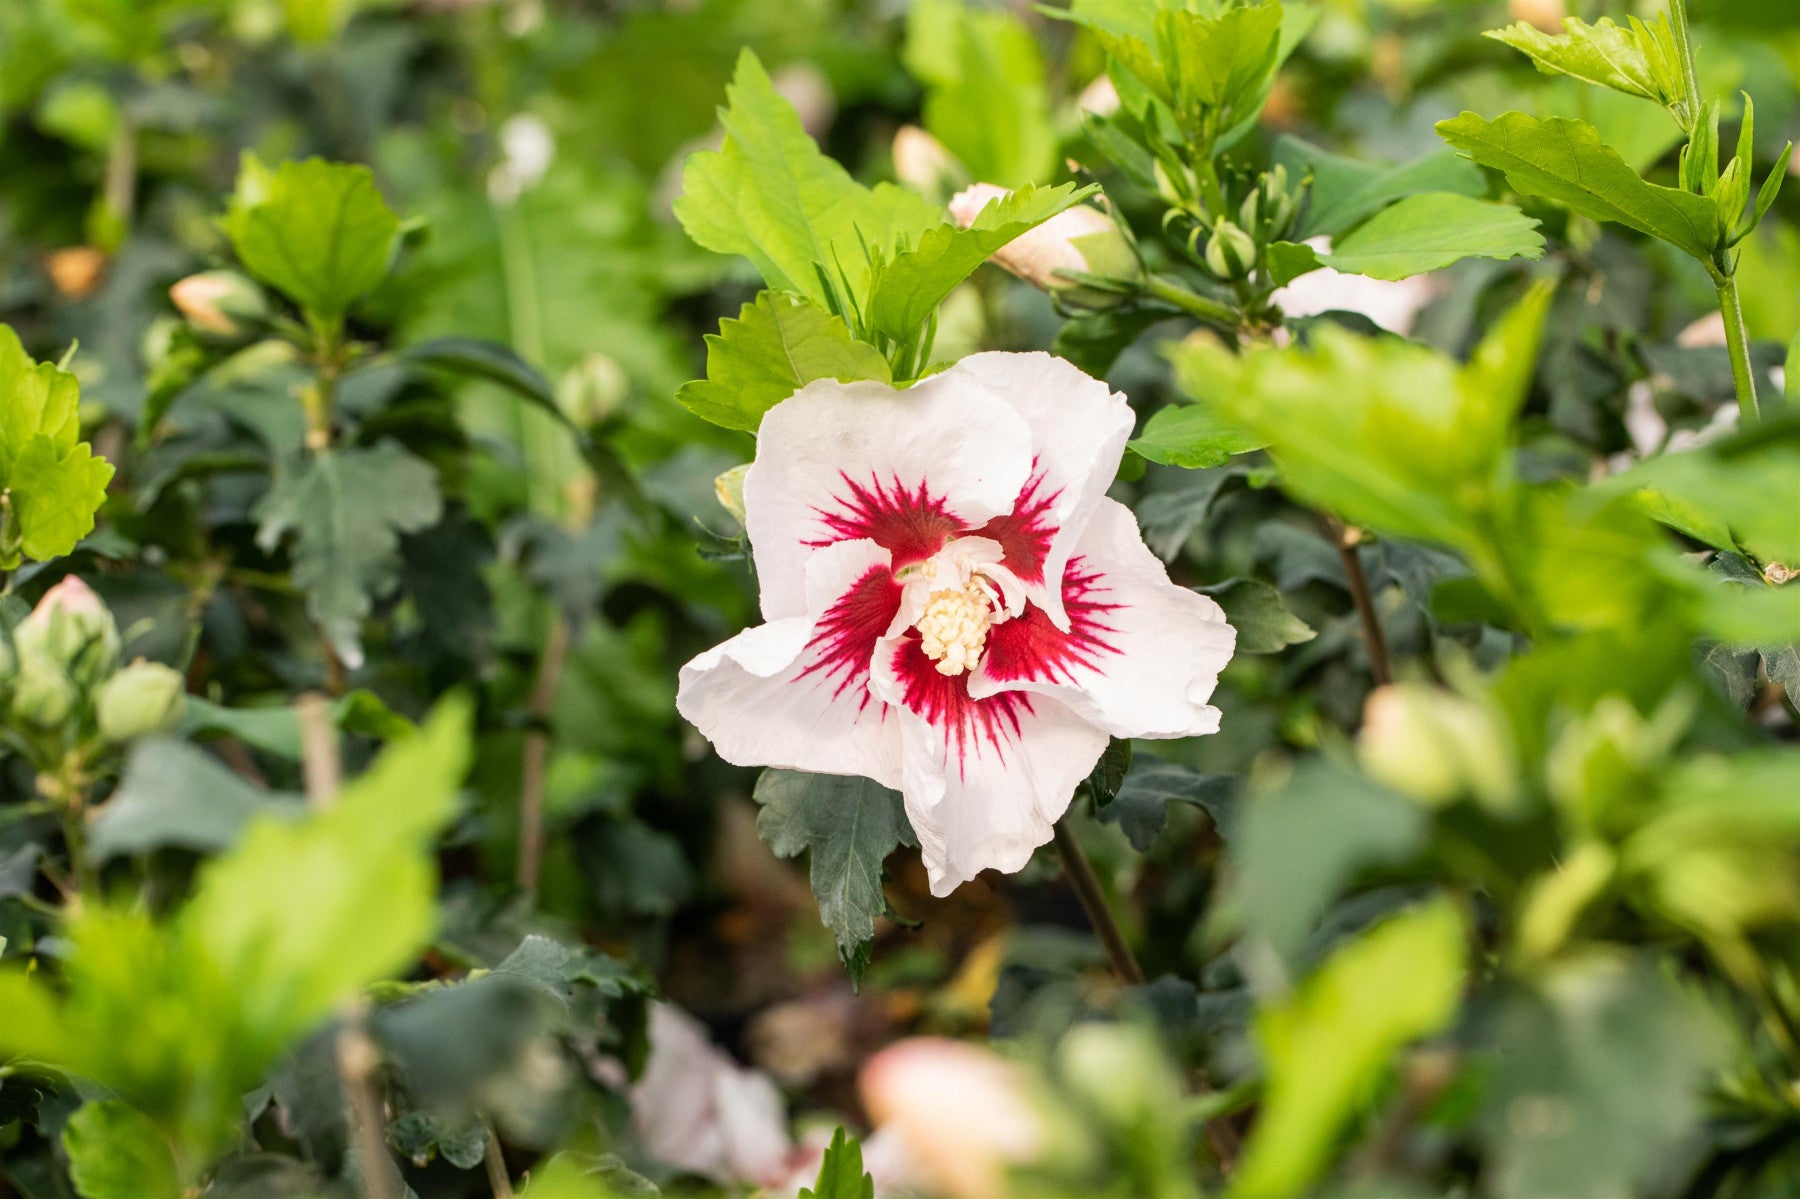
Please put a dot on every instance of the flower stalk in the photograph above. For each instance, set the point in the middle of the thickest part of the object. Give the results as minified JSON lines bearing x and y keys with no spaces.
{"x":1086,"y":884}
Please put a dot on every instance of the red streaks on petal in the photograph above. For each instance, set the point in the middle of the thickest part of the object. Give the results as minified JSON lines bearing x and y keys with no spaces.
{"x":943,"y":702}
{"x":1025,"y":533}
{"x":1029,"y":649}
{"x":843,"y":642}
{"x":909,"y":522}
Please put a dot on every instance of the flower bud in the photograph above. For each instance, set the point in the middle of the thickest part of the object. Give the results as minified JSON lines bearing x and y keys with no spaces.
{"x":592,"y":390}
{"x":42,"y":694}
{"x":222,"y":304}
{"x":71,"y":630}
{"x":1230,"y":253}
{"x":1435,"y":746}
{"x":144,"y":698}
{"x":921,"y":161}
{"x":729,"y":487}
{"x":1080,"y":239}
{"x":963,"y":1112}
{"x":1547,"y":15}
{"x":1121,"y":1072}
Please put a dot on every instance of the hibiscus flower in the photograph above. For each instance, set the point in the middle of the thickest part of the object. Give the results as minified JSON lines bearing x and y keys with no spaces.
{"x":954,"y":607}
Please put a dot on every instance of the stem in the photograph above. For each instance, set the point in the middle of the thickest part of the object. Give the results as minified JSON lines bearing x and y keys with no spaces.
{"x":1195,"y":305}
{"x":1690,"y":77}
{"x":119,"y":189}
{"x":1080,"y":873}
{"x":1737,"y":340}
{"x":499,"y":1181}
{"x":535,"y":767}
{"x":357,"y":1058}
{"x":1345,"y":540}
{"x":320,"y":761}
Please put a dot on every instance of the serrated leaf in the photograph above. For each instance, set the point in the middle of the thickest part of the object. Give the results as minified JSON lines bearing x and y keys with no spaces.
{"x":907,"y":289}
{"x":1627,"y":58}
{"x":1566,"y":161}
{"x":347,"y":509}
{"x":50,"y":480}
{"x":1141,"y":807}
{"x":1431,"y":230}
{"x":1264,"y":622}
{"x":116,"y":1152}
{"x":1743,"y":492}
{"x":849,"y":825}
{"x":770,"y":195}
{"x":1348,"y":190}
{"x":318,"y":232}
{"x":841,"y":1173}
{"x":777,"y":344}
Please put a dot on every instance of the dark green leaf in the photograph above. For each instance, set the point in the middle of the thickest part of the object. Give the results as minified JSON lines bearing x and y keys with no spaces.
{"x":1141,"y":807}
{"x":1264,"y":622}
{"x":173,"y":794}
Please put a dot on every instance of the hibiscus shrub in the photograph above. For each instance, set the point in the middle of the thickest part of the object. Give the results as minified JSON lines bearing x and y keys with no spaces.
{"x":1288,"y":686}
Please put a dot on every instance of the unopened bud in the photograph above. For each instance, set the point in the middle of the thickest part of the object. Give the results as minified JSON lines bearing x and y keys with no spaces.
{"x":43,"y":696}
{"x":592,"y":390}
{"x":921,"y":161}
{"x":222,"y":304}
{"x":1547,"y":15}
{"x":1435,"y":746}
{"x":1230,"y":252}
{"x":1121,"y":1071}
{"x":144,"y":698}
{"x":729,"y":487}
{"x":1079,"y":239}
{"x":76,"y":271}
{"x":71,"y":630}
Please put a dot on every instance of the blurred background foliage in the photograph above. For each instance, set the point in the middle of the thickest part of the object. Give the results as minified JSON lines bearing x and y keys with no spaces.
{"x":542,"y":921}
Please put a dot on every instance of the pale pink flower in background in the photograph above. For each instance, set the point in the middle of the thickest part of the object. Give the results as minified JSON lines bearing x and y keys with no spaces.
{"x":954,"y":607}
{"x":1077,"y":239}
{"x":1392,"y":305}
{"x":963,"y":1113}
{"x":1100,"y":97}
{"x":1547,"y":15}
{"x":921,"y":161}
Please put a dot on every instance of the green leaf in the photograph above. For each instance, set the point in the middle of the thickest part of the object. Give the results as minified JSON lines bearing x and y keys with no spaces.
{"x":50,"y":480}
{"x":908,"y":288}
{"x":318,"y":232}
{"x":1196,"y":435}
{"x":841,"y":1173}
{"x":348,"y":509}
{"x":1565,"y":161}
{"x":778,"y":344}
{"x":1264,"y":622}
{"x":769,"y":195}
{"x":1328,"y":1046}
{"x":1431,"y":230}
{"x":1141,"y":807}
{"x":850,"y":825}
{"x":173,"y":794}
{"x":1637,"y":59}
{"x":985,"y":98}
{"x":300,"y":916}
{"x":1347,"y":190}
{"x":117,"y":1152}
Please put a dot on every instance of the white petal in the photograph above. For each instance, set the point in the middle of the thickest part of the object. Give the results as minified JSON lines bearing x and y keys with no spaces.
{"x":1143,"y":655}
{"x":794,"y":693}
{"x":840,"y":461}
{"x":984,"y":781}
{"x":1079,"y":427}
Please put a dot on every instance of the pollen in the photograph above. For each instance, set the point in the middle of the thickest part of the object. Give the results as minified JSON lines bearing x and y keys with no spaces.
{"x":953,"y":628}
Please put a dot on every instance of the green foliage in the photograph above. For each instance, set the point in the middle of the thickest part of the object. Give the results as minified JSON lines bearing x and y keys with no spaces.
{"x":777,"y":344}
{"x":348,"y":510}
{"x":841,"y":1174}
{"x":1264,"y":622}
{"x":985,"y":98}
{"x":51,"y":483}
{"x":1566,"y":161}
{"x":1430,"y":230}
{"x":1347,"y":191}
{"x":848,"y":826}
{"x":1328,"y":1046}
{"x":318,"y":232}
{"x":116,"y":1152}
{"x":1637,"y":59}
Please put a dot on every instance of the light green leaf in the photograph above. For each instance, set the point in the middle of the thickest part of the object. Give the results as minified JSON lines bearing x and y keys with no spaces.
{"x":841,"y":1173}
{"x":1264,"y":622}
{"x":348,"y":509}
{"x":907,"y":289}
{"x":1196,"y":435}
{"x":771,"y":196}
{"x":1566,"y":161}
{"x":985,"y":98}
{"x":1347,"y":190}
{"x":1431,"y":230}
{"x":850,"y":825}
{"x":777,"y":344}
{"x":318,"y":232}
{"x":1742,"y":493}
{"x":116,"y":1152}
{"x":50,"y":481}
{"x":1328,"y":1046}
{"x":1637,"y":59}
